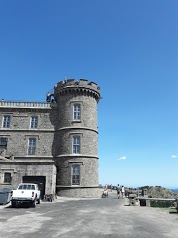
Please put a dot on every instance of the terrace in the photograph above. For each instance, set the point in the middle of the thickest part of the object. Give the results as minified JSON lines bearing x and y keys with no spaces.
{"x":21,"y":104}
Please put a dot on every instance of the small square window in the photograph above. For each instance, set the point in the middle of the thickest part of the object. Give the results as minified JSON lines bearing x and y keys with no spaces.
{"x":34,"y":122}
{"x":6,"y":121}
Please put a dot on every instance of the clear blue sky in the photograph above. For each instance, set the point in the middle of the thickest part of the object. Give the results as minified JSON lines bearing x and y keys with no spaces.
{"x":129,"y":48}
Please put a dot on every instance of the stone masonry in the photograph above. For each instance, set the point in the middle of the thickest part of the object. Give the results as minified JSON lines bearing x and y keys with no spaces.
{"x":55,"y":158}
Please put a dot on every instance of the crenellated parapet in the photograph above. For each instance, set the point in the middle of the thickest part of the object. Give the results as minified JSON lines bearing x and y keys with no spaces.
{"x":81,"y":87}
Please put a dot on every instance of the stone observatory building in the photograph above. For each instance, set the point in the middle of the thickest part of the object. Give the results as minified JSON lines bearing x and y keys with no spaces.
{"x":53,"y":143}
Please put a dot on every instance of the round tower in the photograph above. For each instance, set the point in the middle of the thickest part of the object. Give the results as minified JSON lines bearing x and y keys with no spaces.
{"x":75,"y":146}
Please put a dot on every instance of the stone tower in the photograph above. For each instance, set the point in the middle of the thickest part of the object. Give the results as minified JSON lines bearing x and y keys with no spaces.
{"x":75,"y":145}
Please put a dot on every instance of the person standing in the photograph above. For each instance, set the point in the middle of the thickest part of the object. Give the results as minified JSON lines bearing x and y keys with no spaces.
{"x":118,"y":191}
{"x":48,"y":97}
{"x":122,"y":191}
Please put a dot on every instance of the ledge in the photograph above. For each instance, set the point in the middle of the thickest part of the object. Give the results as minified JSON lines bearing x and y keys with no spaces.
{"x":77,"y":186}
{"x":76,"y":128}
{"x":26,"y":130}
{"x":76,"y":156}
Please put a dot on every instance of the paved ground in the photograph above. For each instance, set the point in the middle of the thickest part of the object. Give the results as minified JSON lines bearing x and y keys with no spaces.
{"x":94,"y":218}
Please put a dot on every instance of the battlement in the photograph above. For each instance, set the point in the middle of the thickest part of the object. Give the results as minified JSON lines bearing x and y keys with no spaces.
{"x":80,"y":86}
{"x":75,"y":83}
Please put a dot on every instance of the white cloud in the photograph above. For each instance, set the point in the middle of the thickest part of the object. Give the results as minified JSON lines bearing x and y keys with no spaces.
{"x":122,"y":158}
{"x":174,"y":156}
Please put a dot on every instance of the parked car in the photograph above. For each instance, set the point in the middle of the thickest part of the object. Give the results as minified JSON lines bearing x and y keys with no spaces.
{"x":26,"y":193}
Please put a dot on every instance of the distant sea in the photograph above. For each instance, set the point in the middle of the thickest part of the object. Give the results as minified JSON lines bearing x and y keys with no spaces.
{"x":175,"y":190}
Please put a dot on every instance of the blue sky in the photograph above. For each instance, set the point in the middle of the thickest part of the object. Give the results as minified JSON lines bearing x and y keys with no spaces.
{"x":129,"y":48}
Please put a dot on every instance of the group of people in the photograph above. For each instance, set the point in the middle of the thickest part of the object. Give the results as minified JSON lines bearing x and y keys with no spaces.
{"x":50,"y":97}
{"x":120,"y":191}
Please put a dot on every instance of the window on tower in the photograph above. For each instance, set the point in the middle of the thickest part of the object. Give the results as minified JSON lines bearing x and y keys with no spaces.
{"x":75,"y":174}
{"x":76,"y":112}
{"x":76,"y":145}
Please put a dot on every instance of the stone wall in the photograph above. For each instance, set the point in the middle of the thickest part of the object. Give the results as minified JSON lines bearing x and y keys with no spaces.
{"x":20,"y":131}
{"x":54,"y":133}
{"x":79,"y":192}
{"x":21,"y":118}
{"x":88,"y":171}
{"x":89,"y":142}
{"x":66,"y":94}
{"x":63,"y":114}
{"x":20,"y":169}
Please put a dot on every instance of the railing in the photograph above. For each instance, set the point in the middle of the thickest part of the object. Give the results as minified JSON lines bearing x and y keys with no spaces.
{"x":156,"y":199}
{"x":24,"y":104}
{"x":133,"y":200}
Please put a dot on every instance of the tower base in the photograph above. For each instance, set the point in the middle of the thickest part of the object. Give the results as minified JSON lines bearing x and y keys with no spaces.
{"x":80,"y":192}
